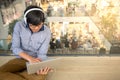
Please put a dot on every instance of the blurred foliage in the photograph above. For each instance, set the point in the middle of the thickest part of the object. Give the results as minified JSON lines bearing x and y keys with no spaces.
{"x":11,"y":26}
{"x":109,"y":22}
{"x":75,"y":3}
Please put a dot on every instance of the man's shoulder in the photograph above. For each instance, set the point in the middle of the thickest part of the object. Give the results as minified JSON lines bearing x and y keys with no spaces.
{"x":47,"y":29}
{"x":20,"y":23}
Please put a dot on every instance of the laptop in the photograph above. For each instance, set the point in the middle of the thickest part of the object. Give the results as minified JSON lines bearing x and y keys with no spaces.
{"x":50,"y":62}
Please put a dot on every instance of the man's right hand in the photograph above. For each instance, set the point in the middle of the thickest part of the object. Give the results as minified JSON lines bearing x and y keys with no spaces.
{"x":33,"y":60}
{"x":29,"y":58}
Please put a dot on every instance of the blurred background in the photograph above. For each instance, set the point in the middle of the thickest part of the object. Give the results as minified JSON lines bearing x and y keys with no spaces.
{"x":78,"y":27}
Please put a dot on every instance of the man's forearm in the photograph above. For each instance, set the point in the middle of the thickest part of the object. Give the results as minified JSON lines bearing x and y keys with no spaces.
{"x":29,"y":58}
{"x":25,"y":56}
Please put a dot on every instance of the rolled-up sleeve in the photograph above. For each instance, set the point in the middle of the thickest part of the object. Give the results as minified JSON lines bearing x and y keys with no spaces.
{"x":16,"y":44}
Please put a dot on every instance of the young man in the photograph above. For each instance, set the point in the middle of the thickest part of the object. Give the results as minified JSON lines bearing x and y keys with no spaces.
{"x":30,"y":43}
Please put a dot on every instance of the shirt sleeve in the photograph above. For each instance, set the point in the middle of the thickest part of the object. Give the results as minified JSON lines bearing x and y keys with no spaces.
{"x":16,"y":46}
{"x":42,"y":53}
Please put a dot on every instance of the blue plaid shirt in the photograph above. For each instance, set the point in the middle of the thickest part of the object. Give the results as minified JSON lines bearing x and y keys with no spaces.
{"x":34,"y":44}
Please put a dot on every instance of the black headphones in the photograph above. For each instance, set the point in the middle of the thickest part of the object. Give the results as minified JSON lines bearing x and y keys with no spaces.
{"x":33,"y":9}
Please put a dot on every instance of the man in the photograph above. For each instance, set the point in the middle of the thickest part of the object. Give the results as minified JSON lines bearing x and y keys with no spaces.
{"x":30,"y":43}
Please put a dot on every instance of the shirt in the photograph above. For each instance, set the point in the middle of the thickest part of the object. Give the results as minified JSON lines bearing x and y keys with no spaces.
{"x":34,"y":44}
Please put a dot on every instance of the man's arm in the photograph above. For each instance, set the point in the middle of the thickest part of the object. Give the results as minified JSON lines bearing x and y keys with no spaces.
{"x":16,"y":44}
{"x":29,"y":58}
{"x":44,"y":47}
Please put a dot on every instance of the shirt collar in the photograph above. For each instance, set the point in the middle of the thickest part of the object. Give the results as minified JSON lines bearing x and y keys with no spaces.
{"x":42,"y":28}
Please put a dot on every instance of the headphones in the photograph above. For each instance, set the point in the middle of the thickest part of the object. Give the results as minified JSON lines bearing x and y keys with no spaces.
{"x":33,"y":9}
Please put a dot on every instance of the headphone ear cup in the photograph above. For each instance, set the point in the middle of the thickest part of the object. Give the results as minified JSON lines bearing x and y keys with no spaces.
{"x":25,"y":19}
{"x":45,"y":16}
{"x":44,"y":20}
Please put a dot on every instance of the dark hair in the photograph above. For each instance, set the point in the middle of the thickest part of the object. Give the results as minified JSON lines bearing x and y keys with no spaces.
{"x":34,"y":17}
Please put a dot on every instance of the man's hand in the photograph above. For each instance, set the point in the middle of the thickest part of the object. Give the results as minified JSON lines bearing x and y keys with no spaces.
{"x":44,"y":71}
{"x":33,"y":60}
{"x":29,"y":58}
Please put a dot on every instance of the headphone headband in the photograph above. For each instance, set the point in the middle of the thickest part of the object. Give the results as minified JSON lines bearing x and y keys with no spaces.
{"x":33,"y":9}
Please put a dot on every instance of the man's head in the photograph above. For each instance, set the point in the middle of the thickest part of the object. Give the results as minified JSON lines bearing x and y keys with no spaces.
{"x":34,"y":16}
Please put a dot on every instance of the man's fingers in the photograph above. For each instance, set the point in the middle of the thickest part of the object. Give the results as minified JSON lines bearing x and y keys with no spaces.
{"x":51,"y":70}
{"x":39,"y":59}
{"x":44,"y":71}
